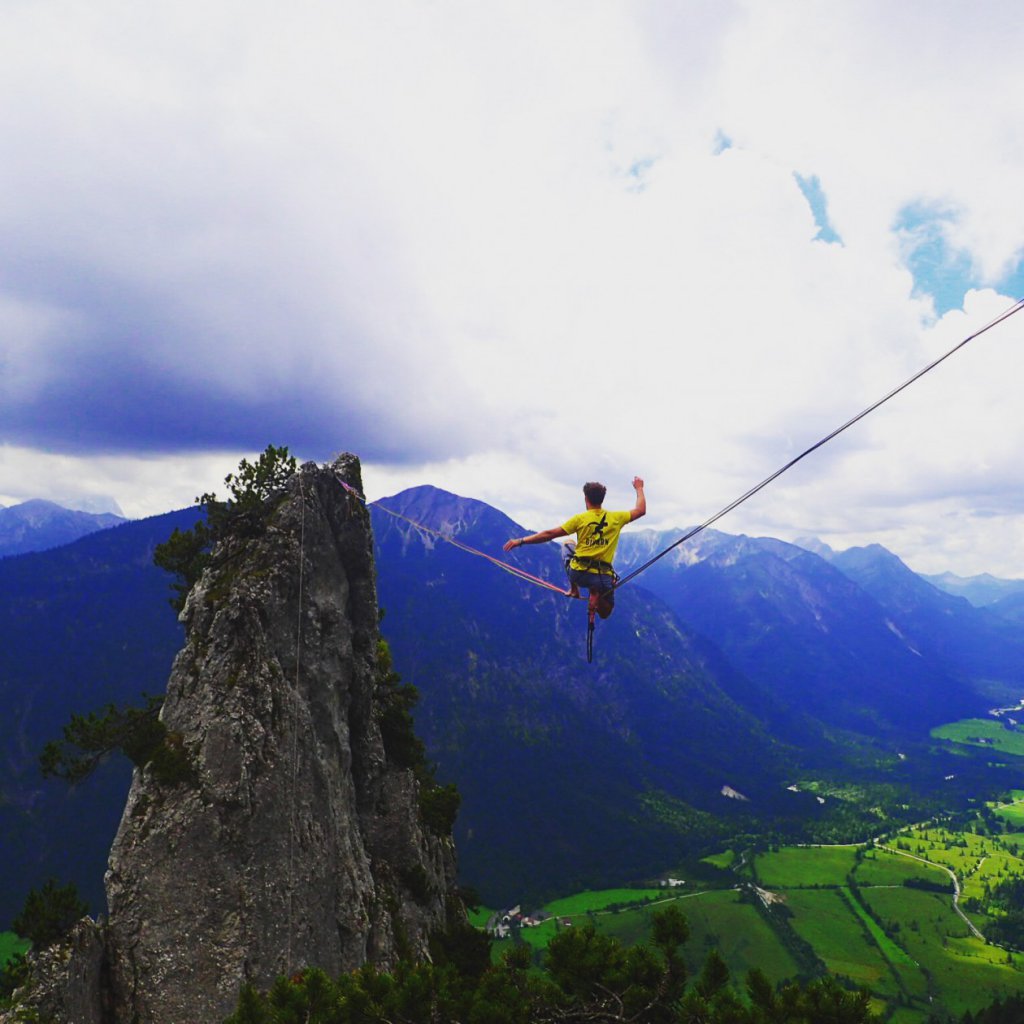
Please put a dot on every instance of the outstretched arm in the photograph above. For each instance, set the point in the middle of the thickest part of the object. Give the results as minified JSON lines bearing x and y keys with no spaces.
{"x":641,"y":502}
{"x":535,"y":538}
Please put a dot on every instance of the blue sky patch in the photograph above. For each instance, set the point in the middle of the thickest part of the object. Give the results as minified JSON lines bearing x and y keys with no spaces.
{"x":722,"y":142}
{"x":815,"y":196}
{"x":1013,"y":283}
{"x":938,"y":269}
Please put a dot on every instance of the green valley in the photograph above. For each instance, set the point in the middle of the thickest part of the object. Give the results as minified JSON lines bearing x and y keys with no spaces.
{"x":999,"y":735}
{"x":903,"y":916}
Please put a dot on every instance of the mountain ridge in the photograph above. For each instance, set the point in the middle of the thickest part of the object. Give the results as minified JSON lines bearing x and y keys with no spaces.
{"x":982,"y":590}
{"x":708,"y":678}
{"x":38,"y":525}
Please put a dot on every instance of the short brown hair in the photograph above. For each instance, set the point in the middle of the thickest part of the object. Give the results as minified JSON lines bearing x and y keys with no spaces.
{"x":594,"y":493}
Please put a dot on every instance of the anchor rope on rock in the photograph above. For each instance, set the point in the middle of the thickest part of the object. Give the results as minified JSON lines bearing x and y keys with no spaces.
{"x":294,"y":759}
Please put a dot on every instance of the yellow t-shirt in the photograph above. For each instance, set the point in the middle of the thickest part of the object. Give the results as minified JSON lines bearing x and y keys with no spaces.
{"x":597,"y":534}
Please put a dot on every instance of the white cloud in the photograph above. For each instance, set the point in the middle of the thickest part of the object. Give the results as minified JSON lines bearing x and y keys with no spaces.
{"x":495,"y":242}
{"x":139,"y":486}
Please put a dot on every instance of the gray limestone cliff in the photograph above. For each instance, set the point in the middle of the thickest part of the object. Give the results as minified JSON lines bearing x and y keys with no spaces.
{"x":297,"y":837}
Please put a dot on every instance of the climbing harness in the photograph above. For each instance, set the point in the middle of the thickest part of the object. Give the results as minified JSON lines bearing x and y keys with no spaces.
{"x":598,"y":565}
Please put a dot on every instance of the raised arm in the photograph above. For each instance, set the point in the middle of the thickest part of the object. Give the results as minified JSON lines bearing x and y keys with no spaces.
{"x":535,"y":538}
{"x":640,"y":508}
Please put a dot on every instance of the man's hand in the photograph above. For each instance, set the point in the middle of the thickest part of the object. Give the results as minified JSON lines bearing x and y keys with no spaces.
{"x":640,"y":508}
{"x":510,"y":544}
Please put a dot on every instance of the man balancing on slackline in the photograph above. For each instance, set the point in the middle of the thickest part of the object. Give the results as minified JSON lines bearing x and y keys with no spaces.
{"x":588,"y":561}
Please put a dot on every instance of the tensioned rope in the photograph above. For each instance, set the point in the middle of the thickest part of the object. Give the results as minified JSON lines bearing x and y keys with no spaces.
{"x":295,"y":725}
{"x":448,"y":539}
{"x":818,"y":444}
{"x":530,"y":578}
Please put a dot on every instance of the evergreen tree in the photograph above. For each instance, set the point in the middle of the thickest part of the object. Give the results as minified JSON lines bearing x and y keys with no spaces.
{"x":589,"y":978}
{"x":48,"y":913}
{"x":188,"y":552}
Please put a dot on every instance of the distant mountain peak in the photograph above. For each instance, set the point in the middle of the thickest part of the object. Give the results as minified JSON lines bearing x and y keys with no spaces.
{"x":39,"y":524}
{"x":981,"y":590}
{"x":816,"y":546}
{"x":450,"y":514}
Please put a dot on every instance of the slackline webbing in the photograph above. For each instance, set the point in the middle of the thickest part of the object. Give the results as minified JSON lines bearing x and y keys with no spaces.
{"x":690,"y":534}
{"x":448,"y":539}
{"x":818,"y":444}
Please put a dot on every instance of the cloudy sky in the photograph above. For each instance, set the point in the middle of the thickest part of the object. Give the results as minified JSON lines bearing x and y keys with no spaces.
{"x":506,"y":247}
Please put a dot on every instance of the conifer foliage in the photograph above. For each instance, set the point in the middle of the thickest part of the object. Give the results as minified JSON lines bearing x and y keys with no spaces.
{"x":136,"y":732}
{"x":589,"y":978}
{"x":187,"y":552}
{"x":48,"y":913}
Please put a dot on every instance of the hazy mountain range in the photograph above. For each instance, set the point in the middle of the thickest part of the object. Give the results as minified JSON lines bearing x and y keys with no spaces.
{"x":733,"y":664}
{"x":985,"y":591}
{"x":732,"y":670}
{"x":37,"y":525}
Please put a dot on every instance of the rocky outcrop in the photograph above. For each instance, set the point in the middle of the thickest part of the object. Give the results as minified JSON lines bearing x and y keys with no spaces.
{"x":289,"y":837}
{"x":67,"y":981}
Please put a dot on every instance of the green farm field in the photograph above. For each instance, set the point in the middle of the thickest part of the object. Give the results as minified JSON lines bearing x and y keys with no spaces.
{"x":802,"y":867}
{"x":580,"y":909}
{"x":883,"y":867}
{"x":718,"y":920}
{"x":825,"y":919}
{"x":906,"y":945}
{"x":1012,"y":814}
{"x":592,"y":902}
{"x":979,"y":861}
{"x":808,"y":867}
{"x":721,"y":860}
{"x":479,"y":917}
{"x":982,"y":732}
{"x":962,"y":972}
{"x":859,"y":911}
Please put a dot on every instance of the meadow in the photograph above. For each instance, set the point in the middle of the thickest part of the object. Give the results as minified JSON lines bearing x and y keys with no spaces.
{"x":872,"y":915}
{"x":983,"y":732}
{"x":718,"y":919}
{"x":979,"y":861}
{"x":879,"y":916}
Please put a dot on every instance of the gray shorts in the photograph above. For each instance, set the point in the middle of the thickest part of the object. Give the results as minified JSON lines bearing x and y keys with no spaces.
{"x":601,"y":582}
